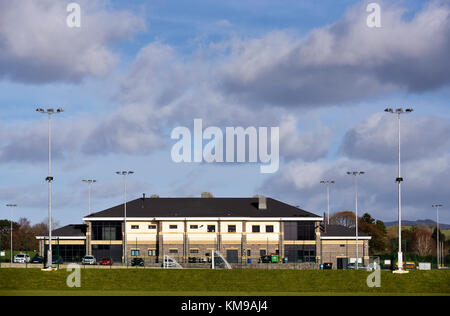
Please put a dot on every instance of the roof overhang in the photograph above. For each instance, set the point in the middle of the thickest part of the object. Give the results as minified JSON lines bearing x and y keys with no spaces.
{"x":255,"y":219}
{"x":62,"y":237}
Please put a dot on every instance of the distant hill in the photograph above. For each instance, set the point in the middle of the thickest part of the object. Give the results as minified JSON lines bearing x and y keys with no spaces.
{"x":427,"y":222}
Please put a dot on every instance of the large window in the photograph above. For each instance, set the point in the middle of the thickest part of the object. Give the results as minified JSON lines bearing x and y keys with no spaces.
{"x":300,"y":253}
{"x":107,"y":230}
{"x":301,"y":230}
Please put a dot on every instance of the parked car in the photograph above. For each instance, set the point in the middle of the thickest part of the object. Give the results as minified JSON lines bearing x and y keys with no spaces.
{"x":169,"y":263}
{"x":137,"y":262}
{"x":21,"y":258}
{"x":107,"y":261}
{"x":57,"y":260}
{"x":90,"y":260}
{"x":352,"y":266}
{"x":37,"y":259}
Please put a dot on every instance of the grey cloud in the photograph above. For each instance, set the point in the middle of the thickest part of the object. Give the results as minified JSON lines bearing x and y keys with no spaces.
{"x":425,"y":184}
{"x":345,"y":61}
{"x":376,"y":138}
{"x":36,"y":46}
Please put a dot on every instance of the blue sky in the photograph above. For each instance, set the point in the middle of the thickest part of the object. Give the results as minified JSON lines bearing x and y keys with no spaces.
{"x":137,"y":69}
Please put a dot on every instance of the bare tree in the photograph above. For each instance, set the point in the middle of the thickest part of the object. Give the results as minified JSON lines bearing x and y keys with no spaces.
{"x":424,"y":242}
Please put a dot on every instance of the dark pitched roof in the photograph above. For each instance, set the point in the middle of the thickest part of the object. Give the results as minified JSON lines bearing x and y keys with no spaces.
{"x":340,"y":231}
{"x":74,"y":230}
{"x":203,"y":207}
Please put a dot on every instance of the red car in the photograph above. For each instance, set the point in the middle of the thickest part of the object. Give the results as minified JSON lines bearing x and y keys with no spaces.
{"x":106,"y":261}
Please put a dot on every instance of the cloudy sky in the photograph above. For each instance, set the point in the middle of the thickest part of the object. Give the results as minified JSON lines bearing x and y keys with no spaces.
{"x":135,"y":70}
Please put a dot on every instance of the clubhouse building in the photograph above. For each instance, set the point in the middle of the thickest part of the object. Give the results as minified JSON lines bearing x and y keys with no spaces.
{"x":189,"y":229}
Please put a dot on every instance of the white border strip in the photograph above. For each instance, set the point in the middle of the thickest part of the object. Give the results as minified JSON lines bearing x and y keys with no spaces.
{"x":347,"y":237}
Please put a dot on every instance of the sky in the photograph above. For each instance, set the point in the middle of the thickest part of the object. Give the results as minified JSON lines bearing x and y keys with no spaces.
{"x":136,"y":70}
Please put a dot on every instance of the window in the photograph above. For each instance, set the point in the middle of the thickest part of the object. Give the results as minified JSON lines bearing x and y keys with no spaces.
{"x":151,"y":226}
{"x":255,"y":229}
{"x":343,"y":246}
{"x":135,"y":252}
{"x":173,"y":251}
{"x":262,"y":252}
{"x":269,"y":228}
{"x":152,"y":252}
{"x":305,"y":231}
{"x":107,"y":230}
{"x":194,"y":251}
{"x":173,"y":226}
{"x":134,"y":226}
{"x":211,"y":228}
{"x":193,"y":227}
{"x":231,"y":228}
{"x":249,"y":252}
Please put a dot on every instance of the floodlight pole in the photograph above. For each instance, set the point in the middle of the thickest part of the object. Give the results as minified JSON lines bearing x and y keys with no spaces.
{"x":328,"y":182}
{"x":11,"y":206}
{"x":438,"y":254}
{"x":49,"y":179}
{"x":125,"y":174}
{"x":356,"y":174}
{"x":399,"y":180}
{"x":89,"y":182}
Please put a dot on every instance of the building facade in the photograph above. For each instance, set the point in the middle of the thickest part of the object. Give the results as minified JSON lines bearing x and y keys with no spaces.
{"x":189,"y":229}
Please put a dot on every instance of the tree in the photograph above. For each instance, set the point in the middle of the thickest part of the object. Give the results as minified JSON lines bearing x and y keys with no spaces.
{"x":424,"y":242}
{"x":345,"y":218}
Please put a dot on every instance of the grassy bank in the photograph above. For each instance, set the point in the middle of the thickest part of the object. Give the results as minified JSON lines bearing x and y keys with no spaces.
{"x":221,"y":282}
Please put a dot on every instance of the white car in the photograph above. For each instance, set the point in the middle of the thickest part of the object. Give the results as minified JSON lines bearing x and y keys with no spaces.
{"x":21,"y":258}
{"x":88,"y":260}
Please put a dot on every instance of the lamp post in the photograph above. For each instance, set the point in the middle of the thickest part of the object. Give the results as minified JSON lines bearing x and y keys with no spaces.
{"x":327,"y":183}
{"x":356,"y":174}
{"x":49,"y":179}
{"x":399,"y":181}
{"x":125,"y":174}
{"x":11,"y":206}
{"x":89,"y":182}
{"x":437,"y":206}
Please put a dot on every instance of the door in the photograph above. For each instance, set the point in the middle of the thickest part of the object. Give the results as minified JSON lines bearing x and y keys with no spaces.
{"x":232,"y":256}
{"x":342,"y":263}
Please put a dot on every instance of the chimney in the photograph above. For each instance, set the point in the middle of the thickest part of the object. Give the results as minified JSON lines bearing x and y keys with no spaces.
{"x":154,"y":196}
{"x":262,"y":203}
{"x":143,"y":199}
{"x":206,"y":195}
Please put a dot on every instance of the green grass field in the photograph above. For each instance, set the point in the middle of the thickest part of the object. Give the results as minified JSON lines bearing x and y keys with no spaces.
{"x":221,"y":282}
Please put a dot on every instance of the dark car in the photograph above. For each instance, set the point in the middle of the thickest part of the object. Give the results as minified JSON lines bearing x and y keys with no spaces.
{"x":265,"y":259}
{"x":107,"y":261}
{"x":137,"y":262}
{"x":37,"y":259}
{"x":57,"y":260}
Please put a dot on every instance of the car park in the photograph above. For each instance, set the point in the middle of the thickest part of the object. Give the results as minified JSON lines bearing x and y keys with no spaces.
{"x":57,"y":260}
{"x":37,"y":259}
{"x":107,"y":261}
{"x":88,"y":260}
{"x":21,"y":258}
{"x":137,"y":262}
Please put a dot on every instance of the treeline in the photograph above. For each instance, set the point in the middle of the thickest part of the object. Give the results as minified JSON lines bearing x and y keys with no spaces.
{"x":24,"y":234}
{"x":418,"y":239}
